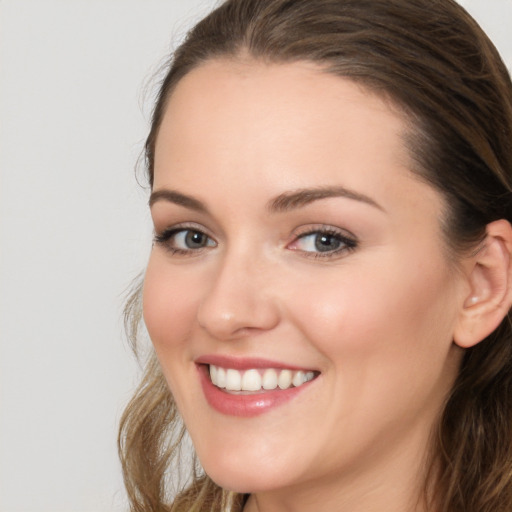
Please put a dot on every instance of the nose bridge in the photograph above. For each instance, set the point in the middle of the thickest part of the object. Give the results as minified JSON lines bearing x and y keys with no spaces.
{"x":239,"y":297}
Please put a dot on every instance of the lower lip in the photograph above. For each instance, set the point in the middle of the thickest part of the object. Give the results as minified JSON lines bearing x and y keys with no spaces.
{"x":245,"y":405}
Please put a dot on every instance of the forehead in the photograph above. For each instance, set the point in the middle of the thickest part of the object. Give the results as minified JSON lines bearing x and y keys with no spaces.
{"x":291,"y":125}
{"x":242,"y":91}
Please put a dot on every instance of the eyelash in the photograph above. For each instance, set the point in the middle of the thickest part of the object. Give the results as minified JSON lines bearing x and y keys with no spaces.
{"x":348,"y":243}
{"x":165,"y":239}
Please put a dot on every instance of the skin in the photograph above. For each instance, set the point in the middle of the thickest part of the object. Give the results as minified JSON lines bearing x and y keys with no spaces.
{"x":377,"y":320}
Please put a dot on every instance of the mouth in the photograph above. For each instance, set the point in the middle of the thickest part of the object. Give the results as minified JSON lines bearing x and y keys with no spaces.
{"x":247,"y":387}
{"x":258,"y":380}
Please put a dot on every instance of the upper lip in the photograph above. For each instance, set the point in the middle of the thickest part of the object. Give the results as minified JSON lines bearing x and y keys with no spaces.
{"x":247,"y":363}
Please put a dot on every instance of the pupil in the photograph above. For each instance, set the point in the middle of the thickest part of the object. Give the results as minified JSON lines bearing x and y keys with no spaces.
{"x":325,"y":243}
{"x":195,"y":239}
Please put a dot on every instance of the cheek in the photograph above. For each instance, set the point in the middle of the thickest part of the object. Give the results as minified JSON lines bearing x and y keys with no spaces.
{"x":386,"y":342}
{"x":169,"y":299}
{"x":381,"y":324}
{"x":169,"y":305}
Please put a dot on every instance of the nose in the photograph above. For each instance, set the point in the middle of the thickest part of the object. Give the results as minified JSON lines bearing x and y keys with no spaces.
{"x":239,"y":300}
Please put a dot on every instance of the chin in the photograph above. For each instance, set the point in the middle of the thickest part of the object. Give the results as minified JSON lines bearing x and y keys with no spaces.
{"x":246,"y":476}
{"x":243,"y":482}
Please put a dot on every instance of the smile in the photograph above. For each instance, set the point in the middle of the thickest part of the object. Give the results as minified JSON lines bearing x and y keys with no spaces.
{"x":257,"y":380}
{"x":250,"y":387}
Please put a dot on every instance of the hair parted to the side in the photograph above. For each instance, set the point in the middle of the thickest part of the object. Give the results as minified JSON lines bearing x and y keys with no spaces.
{"x":432,"y":60}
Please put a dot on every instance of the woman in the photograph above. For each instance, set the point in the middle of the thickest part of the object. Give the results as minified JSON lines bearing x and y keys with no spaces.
{"x":330,"y":281}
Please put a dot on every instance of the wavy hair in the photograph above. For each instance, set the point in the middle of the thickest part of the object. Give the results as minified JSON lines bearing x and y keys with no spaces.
{"x":431,"y":59}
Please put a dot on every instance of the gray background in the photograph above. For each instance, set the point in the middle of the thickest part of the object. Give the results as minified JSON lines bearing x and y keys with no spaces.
{"x":74,"y":231}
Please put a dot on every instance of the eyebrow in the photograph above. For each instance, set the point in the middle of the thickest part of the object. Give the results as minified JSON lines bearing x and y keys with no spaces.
{"x":302,"y":197}
{"x":178,"y":198}
{"x":282,"y":203}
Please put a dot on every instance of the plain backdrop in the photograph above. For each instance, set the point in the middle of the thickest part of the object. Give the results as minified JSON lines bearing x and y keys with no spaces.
{"x":75,"y":230}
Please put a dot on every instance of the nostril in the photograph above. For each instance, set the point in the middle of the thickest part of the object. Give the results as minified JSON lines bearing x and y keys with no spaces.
{"x":233,"y":316}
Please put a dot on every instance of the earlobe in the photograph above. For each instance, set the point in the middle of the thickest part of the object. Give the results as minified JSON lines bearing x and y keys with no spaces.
{"x":490,"y":287}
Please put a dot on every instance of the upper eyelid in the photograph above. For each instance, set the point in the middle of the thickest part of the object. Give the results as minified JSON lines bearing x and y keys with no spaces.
{"x":309,"y":229}
{"x":208,"y":226}
{"x":184,"y":226}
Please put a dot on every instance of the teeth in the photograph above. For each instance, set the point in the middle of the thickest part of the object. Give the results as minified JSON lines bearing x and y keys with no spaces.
{"x":233,"y":380}
{"x":251,"y":381}
{"x":255,"y":380}
{"x":269,"y":379}
{"x":221,"y":377}
{"x":213,"y":373}
{"x":298,"y":379}
{"x":309,"y":376}
{"x":284,"y":380}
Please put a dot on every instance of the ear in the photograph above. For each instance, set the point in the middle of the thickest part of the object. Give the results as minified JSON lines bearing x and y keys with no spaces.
{"x":490,"y":286}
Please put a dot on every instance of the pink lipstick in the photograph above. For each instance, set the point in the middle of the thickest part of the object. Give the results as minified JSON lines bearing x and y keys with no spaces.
{"x":249,"y":387}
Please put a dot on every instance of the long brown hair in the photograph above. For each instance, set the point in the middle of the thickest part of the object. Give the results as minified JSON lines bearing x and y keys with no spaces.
{"x":430,"y":58}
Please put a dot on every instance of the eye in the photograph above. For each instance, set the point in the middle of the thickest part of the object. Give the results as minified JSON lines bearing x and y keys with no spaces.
{"x":323,"y":242}
{"x":184,"y":240}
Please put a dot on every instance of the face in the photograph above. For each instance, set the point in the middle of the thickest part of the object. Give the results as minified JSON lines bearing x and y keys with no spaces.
{"x":299,"y":261}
